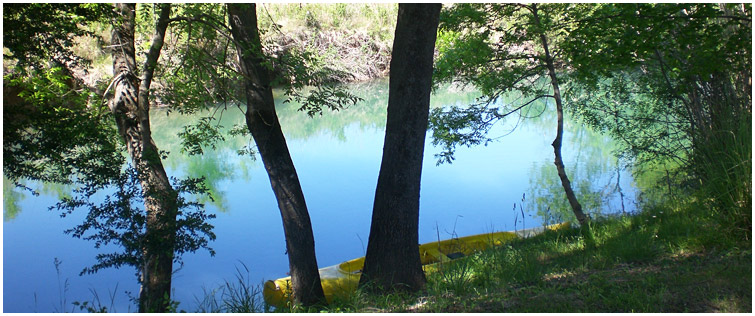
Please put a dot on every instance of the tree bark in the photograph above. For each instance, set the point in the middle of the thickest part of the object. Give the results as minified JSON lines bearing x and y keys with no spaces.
{"x":262,"y":121}
{"x":392,"y":261}
{"x":571,"y":197}
{"x":130,"y":105}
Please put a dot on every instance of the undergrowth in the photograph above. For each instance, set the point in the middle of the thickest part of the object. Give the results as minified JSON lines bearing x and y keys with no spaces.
{"x":355,"y":39}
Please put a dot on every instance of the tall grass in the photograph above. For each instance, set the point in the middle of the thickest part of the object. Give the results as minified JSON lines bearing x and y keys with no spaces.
{"x":236,"y":296}
{"x":723,"y":163}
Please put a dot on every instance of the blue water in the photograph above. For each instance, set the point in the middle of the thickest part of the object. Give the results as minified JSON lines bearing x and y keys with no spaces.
{"x":337,"y":157}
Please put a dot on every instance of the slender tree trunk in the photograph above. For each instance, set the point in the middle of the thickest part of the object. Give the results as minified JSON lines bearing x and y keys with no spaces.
{"x":130,"y":105}
{"x":575,"y":206}
{"x":262,"y":121}
{"x":392,"y":261}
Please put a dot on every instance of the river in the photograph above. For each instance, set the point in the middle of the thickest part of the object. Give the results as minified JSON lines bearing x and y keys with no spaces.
{"x":509,"y":184}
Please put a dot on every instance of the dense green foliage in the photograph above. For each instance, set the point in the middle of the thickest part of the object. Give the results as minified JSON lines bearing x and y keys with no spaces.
{"x":669,"y":82}
{"x":53,"y":131}
{"x":666,"y":71}
{"x":58,"y":129}
{"x":32,"y":43}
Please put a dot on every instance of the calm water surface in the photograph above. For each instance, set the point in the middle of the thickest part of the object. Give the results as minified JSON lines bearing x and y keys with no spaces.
{"x":509,"y":184}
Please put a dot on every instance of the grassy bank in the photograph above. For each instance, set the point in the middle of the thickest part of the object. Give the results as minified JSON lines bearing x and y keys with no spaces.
{"x":665,"y":259}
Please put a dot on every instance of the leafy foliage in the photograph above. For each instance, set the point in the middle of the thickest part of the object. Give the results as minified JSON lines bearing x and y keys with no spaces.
{"x":495,"y":48}
{"x":55,"y":127}
{"x":204,"y":133}
{"x":196,"y":68}
{"x":459,"y":126}
{"x":53,"y":132}
{"x":27,"y":30}
{"x":297,"y":70}
{"x":672,"y":83}
{"x":334,"y":98}
{"x":652,"y":66}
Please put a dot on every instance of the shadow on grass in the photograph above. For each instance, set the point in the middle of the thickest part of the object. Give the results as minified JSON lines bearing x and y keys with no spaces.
{"x":658,"y":261}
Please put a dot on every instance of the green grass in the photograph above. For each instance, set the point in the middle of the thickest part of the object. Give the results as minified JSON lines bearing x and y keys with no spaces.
{"x":662,"y":260}
{"x":723,"y":165}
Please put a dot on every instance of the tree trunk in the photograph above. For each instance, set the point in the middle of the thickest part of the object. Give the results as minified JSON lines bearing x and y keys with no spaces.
{"x":262,"y":121}
{"x":575,"y":206}
{"x":392,"y":261}
{"x":130,"y":105}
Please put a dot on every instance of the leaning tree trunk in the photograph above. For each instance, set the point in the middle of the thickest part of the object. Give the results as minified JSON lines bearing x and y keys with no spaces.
{"x":392,"y":261}
{"x":262,"y":121}
{"x":130,"y":105}
{"x":575,"y":206}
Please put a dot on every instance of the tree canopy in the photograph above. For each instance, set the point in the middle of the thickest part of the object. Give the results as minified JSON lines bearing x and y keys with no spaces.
{"x":667,"y":81}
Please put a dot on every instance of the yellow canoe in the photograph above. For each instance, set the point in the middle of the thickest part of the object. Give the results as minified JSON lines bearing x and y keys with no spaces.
{"x":342,"y":279}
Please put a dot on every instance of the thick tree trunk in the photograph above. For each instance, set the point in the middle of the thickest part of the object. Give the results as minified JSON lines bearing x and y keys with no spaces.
{"x":130,"y":105}
{"x":392,"y":260}
{"x":571,"y":197}
{"x":262,"y":121}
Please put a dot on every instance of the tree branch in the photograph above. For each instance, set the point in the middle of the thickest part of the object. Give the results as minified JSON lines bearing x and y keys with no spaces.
{"x":500,"y":116}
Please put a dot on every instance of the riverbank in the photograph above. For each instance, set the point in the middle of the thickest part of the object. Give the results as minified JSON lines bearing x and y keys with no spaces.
{"x":352,"y":40}
{"x":664,"y":259}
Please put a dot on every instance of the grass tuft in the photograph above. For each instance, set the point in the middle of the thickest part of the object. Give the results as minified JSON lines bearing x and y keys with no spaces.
{"x":238,"y":296}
